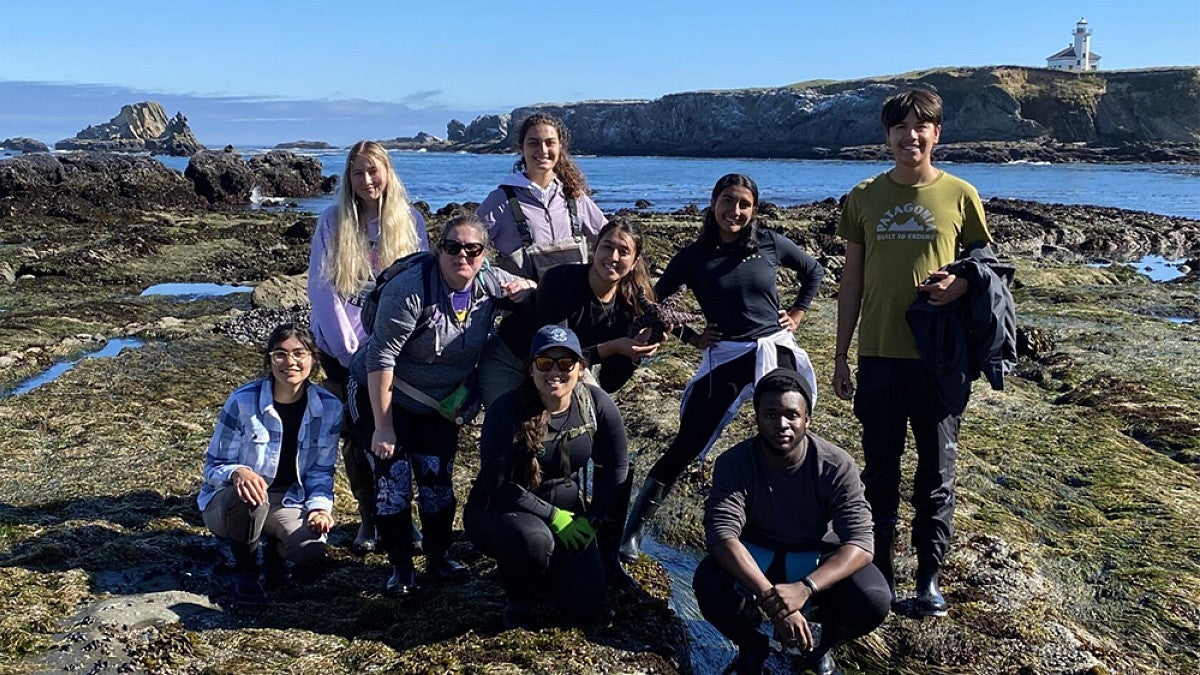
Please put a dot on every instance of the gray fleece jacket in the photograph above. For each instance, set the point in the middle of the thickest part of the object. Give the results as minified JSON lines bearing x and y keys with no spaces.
{"x":441,"y":354}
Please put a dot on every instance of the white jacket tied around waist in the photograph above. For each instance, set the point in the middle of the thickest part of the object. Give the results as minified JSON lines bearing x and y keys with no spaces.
{"x":766,"y":359}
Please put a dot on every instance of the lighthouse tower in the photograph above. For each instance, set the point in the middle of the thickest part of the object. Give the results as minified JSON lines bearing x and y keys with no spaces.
{"x":1078,"y":56}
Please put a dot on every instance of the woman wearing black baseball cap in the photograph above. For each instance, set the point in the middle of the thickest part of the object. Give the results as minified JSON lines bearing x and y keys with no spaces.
{"x":530,"y":507}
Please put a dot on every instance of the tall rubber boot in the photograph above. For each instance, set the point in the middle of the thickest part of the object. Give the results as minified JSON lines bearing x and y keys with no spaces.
{"x":930,"y":601}
{"x":246,"y":587}
{"x":885,"y":560}
{"x":649,"y":499}
{"x":362,"y":486}
{"x":365,"y":540}
{"x":437,"y":530}
{"x":608,"y":538}
{"x":396,"y":539}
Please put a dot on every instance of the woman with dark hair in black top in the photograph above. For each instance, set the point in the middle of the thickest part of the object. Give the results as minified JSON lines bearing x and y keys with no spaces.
{"x":599,"y":301}
{"x":529,"y":507}
{"x":732,"y":270}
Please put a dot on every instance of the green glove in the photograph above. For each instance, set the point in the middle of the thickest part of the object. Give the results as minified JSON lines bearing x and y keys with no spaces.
{"x":581,"y":530}
{"x":563,"y":527}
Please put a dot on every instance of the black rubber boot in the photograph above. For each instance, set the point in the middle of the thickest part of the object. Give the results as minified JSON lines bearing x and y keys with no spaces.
{"x":365,"y":540}
{"x":822,"y":663}
{"x":930,"y":601}
{"x":608,"y":538}
{"x":437,"y":530}
{"x":418,"y":541}
{"x":396,"y":540}
{"x":885,"y":560}
{"x":246,"y":588}
{"x":277,"y":575}
{"x":651,"y":496}
{"x":752,"y":656}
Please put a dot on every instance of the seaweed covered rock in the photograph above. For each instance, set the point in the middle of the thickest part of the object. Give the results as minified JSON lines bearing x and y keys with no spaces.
{"x":280,"y":173}
{"x":220,"y":178}
{"x":90,"y":183}
{"x":223,"y":178}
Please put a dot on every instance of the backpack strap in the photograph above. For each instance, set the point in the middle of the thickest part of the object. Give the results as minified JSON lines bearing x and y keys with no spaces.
{"x":573,"y":209}
{"x":514,"y":206}
{"x":518,"y":214}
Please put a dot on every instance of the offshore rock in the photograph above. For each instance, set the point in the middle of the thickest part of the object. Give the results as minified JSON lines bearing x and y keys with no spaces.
{"x":139,"y":127}
{"x":220,"y":178}
{"x":422,"y":141}
{"x":280,"y":173}
{"x":22,"y":144}
{"x":223,"y":178}
{"x":304,"y":145}
{"x":90,"y":184}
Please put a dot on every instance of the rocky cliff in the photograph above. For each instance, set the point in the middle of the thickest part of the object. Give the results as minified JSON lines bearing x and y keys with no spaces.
{"x":1031,"y":106}
{"x":138,"y":127}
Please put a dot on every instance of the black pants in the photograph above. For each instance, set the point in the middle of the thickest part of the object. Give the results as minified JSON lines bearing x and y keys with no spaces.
{"x":850,"y":608}
{"x":710,"y":398}
{"x":530,"y":558}
{"x":891,"y":394}
{"x":426,"y":445}
{"x":354,"y":457}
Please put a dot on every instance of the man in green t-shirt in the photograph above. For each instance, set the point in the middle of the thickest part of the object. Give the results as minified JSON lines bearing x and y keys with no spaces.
{"x":901,"y":227}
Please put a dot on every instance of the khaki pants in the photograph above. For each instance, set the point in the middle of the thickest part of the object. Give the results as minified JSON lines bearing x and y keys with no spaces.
{"x":233,"y":519}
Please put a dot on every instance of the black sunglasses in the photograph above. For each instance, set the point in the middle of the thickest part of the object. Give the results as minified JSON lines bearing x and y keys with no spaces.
{"x":473,"y":250}
{"x":545,"y":363}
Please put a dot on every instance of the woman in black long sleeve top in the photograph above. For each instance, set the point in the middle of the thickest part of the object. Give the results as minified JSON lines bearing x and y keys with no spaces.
{"x":732,"y":270}
{"x":598,"y":300}
{"x":527,"y":507}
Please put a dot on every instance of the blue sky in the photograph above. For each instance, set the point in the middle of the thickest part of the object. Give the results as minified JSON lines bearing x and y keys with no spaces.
{"x":277,"y":69}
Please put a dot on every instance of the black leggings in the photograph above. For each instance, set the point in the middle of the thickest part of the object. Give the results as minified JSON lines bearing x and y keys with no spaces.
{"x":528,"y":556}
{"x":710,"y":398}
{"x":850,"y":608}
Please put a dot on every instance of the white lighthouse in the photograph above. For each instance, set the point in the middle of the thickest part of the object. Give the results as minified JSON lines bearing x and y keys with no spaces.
{"x":1078,"y":56}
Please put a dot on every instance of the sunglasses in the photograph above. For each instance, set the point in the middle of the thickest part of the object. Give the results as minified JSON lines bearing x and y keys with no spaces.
{"x":545,"y":363}
{"x":473,"y":250}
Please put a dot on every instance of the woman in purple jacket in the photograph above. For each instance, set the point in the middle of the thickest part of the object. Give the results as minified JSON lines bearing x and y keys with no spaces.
{"x":540,"y":216}
{"x":370,"y":225}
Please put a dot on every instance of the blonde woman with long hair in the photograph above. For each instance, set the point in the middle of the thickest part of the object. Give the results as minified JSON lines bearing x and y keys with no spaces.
{"x":370,"y":225}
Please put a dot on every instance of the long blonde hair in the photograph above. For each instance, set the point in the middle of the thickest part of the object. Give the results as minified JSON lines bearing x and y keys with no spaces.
{"x":347,"y":263}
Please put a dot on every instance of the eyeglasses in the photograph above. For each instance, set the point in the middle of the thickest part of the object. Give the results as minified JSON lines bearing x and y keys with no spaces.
{"x":545,"y":363}
{"x":473,"y":250}
{"x":283,"y":355}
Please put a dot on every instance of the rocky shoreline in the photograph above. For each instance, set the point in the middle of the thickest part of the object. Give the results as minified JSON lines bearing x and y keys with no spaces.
{"x":1075,"y":549}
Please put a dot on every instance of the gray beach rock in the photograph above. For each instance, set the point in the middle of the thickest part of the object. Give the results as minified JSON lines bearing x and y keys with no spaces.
{"x":90,"y":183}
{"x":281,"y":292}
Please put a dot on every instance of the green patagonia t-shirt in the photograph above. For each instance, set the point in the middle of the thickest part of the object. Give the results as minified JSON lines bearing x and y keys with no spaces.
{"x":908,"y":231}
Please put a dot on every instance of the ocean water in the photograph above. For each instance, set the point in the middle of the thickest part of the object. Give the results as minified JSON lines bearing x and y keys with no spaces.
{"x":673,"y":182}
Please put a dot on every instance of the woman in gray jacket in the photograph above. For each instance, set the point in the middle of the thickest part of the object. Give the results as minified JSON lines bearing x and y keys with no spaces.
{"x":432,"y":321}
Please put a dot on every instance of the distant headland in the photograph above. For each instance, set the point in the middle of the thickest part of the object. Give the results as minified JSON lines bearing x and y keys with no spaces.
{"x":993,"y":114}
